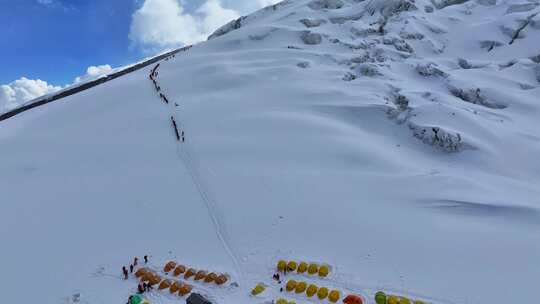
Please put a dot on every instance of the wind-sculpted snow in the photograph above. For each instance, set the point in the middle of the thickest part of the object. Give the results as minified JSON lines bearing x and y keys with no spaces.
{"x":396,"y":140}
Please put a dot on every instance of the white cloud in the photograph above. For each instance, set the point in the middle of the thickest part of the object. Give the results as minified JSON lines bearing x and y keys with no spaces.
{"x":93,"y":72}
{"x":215,"y":16}
{"x":164,"y":23}
{"x":24,"y":89}
{"x":20,"y":91}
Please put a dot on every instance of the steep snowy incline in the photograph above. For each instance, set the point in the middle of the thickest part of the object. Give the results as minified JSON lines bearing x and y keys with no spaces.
{"x":395,"y":140}
{"x":88,"y":184}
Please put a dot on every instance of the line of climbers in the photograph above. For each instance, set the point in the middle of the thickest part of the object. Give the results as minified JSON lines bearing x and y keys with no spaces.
{"x":132,"y":266}
{"x":180,"y":136}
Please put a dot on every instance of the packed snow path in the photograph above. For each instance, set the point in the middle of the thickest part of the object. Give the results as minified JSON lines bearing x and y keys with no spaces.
{"x":193,"y":170}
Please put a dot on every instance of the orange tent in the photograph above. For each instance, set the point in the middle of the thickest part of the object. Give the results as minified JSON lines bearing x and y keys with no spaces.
{"x":165,"y":284}
{"x":169,"y":266}
{"x":210,"y":277}
{"x":179,"y":270}
{"x":146,"y":277}
{"x":141,"y":272}
{"x":352,"y":299}
{"x":201,"y":274}
{"x":221,"y":279}
{"x":175,"y":287}
{"x":185,"y":289}
{"x":155,"y":279}
{"x":189,"y":273}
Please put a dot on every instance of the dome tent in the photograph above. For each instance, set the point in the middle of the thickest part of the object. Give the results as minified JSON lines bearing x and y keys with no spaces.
{"x":311,"y":290}
{"x":165,"y":284}
{"x":210,"y":277}
{"x":334,"y":296}
{"x":189,"y":273}
{"x":175,"y":287}
{"x":322,"y":293}
{"x":302,"y":267}
{"x":169,"y":266}
{"x":179,"y":270}
{"x":291,"y":285}
{"x":141,"y":272}
{"x":221,"y":279}
{"x":353,"y":299}
{"x":201,"y":274}
{"x":184,"y":290}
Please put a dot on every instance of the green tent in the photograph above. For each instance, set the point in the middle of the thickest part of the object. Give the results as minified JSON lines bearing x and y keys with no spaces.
{"x":136,"y":299}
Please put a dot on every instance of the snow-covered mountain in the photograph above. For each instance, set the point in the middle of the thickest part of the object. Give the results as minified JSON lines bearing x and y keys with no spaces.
{"x":397,"y":141}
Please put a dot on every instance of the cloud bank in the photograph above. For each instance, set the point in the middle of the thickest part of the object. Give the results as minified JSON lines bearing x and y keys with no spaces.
{"x":164,"y":23}
{"x":94,"y":72}
{"x":159,"y":24}
{"x":22,"y":90}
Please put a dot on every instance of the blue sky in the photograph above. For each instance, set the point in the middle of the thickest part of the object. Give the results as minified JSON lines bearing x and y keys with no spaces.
{"x":57,"y":40}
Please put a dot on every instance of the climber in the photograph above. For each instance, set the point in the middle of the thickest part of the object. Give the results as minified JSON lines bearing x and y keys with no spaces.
{"x":140,"y":288}
{"x":124,"y":270}
{"x":145,"y":259}
{"x":135,"y":261}
{"x":131,"y":268}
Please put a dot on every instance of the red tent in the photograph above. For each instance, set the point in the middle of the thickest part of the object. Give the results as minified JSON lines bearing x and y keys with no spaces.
{"x":353,"y":299}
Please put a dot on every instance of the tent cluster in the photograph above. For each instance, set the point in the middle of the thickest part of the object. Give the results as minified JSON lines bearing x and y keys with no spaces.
{"x":303,"y":267}
{"x":174,"y":287}
{"x":198,"y":275}
{"x":311,"y":290}
{"x":382,"y":298}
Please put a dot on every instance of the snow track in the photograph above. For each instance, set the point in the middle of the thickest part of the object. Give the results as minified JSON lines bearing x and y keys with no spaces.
{"x":193,"y":169}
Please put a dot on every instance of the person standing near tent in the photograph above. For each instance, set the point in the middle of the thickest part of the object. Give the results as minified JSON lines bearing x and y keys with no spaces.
{"x":124,"y":270}
{"x":140,"y":288}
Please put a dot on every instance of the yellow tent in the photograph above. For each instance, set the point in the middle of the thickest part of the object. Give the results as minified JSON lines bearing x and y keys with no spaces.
{"x":302,"y":267}
{"x":313,"y":268}
{"x":311,"y":290}
{"x":291,"y":285}
{"x":324,"y":270}
{"x":291,"y":266}
{"x":281,"y":265}
{"x":334,"y":296}
{"x":300,"y":287}
{"x":322,"y":293}
{"x":260,"y":288}
{"x":392,"y":300}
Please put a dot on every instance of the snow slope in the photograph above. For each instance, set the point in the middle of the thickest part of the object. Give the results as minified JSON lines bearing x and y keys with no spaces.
{"x":397,"y":141}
